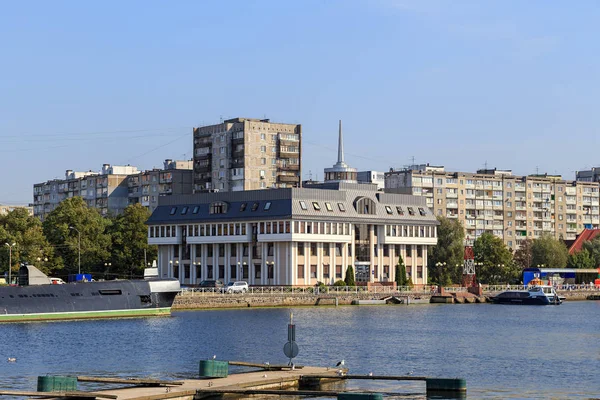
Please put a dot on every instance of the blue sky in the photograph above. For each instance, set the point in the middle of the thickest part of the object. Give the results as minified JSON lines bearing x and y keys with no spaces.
{"x":514,"y":84}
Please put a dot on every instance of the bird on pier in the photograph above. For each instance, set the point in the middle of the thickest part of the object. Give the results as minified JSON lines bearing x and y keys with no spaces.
{"x":210,"y":384}
{"x":340,"y":372}
{"x":12,"y":359}
{"x":340,"y":364}
{"x":215,"y":357}
{"x":370,"y":374}
{"x":409,"y":373}
{"x":265,"y":375}
{"x":267,"y":363}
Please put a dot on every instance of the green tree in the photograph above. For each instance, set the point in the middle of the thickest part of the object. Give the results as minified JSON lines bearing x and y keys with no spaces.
{"x":401,"y":278}
{"x":581,"y":259}
{"x":549,"y":252}
{"x":593,"y":248}
{"x":31,"y":246}
{"x":350,"y":276}
{"x":130,"y":249}
{"x":447,"y":256}
{"x":496,"y":260}
{"x":523,"y":256}
{"x":72,"y":226}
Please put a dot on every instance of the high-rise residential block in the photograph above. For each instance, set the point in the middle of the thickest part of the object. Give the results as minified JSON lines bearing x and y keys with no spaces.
{"x":245,"y":154}
{"x":112,"y":189}
{"x":510,"y":207}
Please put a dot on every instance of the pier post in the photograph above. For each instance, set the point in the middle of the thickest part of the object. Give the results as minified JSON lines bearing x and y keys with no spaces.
{"x":446,"y":385}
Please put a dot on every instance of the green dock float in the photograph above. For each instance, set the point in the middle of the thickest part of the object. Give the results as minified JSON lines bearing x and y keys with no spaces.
{"x":57,"y":383}
{"x":446,"y":385}
{"x":360,"y":396}
{"x":214,"y":369}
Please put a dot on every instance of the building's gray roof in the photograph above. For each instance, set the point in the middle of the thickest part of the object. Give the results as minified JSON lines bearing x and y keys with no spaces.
{"x":285,"y":204}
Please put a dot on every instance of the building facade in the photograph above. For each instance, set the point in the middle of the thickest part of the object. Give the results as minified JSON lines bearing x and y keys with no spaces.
{"x":294,"y":236}
{"x":146,"y":187}
{"x":513,"y":208}
{"x":247,"y":154}
{"x":5,"y":209}
{"x":112,"y":189}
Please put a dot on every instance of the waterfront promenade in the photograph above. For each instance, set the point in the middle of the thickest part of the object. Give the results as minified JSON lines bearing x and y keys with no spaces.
{"x":285,"y":296}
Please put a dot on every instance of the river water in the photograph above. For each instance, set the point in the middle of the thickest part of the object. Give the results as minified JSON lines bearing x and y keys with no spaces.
{"x":520,"y":352}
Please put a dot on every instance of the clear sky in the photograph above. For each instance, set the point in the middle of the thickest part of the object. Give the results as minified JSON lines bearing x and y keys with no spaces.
{"x":514,"y":84}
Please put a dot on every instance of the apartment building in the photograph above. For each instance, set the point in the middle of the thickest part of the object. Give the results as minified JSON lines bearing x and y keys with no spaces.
{"x":247,"y":154}
{"x":5,"y":209}
{"x":105,"y":190}
{"x":174,"y":178}
{"x":114,"y":188}
{"x":590,"y":175}
{"x":510,"y":207}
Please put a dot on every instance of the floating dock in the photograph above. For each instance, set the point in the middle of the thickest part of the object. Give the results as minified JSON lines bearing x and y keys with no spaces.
{"x":269,"y":380}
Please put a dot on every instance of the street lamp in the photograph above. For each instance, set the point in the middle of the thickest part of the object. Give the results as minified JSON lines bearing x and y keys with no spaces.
{"x":78,"y":247}
{"x":10,"y":247}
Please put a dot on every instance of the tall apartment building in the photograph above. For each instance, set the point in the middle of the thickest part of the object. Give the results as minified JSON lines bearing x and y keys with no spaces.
{"x":147,"y":186}
{"x":510,"y":207}
{"x":105,"y":190}
{"x":590,"y":175}
{"x":113,"y":188}
{"x":246,"y":154}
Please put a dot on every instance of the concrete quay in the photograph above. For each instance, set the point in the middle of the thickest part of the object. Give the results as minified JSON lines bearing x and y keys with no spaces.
{"x":197,"y":301}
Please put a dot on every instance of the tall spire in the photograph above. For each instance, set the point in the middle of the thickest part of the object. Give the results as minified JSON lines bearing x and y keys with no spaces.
{"x":340,"y":146}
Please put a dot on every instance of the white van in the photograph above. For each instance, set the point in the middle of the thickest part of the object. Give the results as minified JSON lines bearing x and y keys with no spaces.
{"x":56,"y":281}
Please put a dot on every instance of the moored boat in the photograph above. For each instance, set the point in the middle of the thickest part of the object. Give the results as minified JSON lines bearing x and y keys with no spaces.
{"x":36,"y":299}
{"x":534,"y":295}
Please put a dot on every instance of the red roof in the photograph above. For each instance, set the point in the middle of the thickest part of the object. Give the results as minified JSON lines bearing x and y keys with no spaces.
{"x":584,"y":236}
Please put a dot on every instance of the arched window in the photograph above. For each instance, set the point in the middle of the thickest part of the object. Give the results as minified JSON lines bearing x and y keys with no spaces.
{"x":364,"y":205}
{"x":218,"y":207}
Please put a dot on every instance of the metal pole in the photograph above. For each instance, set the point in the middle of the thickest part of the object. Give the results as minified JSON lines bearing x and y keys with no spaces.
{"x":79,"y":251}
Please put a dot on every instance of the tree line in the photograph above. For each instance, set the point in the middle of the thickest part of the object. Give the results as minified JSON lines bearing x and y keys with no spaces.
{"x":116,"y":246}
{"x":495,"y":263}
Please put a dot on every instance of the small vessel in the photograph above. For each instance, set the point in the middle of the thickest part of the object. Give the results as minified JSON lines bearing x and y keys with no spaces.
{"x":534,"y":295}
{"x":37,"y":299}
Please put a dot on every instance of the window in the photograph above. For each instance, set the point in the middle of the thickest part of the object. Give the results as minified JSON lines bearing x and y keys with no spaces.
{"x":195,"y":210}
{"x":422,"y":211}
{"x":218,"y":207}
{"x":313,"y":271}
{"x":316,"y":206}
{"x":303,"y":205}
{"x":184,"y":210}
{"x":341,"y":207}
{"x":410,"y":211}
{"x":263,"y":149}
{"x":263,"y":161}
{"x":388,"y":209}
{"x":399,"y":210}
{"x":328,"y":207}
{"x":300,"y":274}
{"x":243,"y":207}
{"x":262,"y":136}
{"x":173,"y":210}
{"x":267,"y":206}
{"x":254,"y":207}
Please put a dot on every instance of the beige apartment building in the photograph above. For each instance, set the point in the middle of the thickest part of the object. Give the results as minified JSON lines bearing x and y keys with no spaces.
{"x":510,"y":207}
{"x":112,"y":189}
{"x":5,"y":209}
{"x":247,"y":154}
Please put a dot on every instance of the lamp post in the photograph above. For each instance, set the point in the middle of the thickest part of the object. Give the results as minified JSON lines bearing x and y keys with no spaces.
{"x":78,"y":247}
{"x":10,"y":247}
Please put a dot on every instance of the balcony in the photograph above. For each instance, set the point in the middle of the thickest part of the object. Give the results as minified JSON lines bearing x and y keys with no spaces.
{"x":288,"y":178}
{"x":288,"y":154}
{"x":289,"y":167}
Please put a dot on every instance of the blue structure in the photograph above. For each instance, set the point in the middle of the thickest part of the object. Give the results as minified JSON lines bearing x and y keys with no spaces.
{"x":546,"y":273}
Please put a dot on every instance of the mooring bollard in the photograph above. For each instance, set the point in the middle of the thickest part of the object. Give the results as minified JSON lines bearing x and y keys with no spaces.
{"x":446,"y":385}
{"x":56,"y":383}
{"x":359,"y":396}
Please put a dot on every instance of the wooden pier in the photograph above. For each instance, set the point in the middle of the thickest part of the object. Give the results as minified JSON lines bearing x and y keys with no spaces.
{"x":269,"y":380}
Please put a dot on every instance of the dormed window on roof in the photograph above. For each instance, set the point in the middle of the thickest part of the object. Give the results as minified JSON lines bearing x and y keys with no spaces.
{"x":218,"y":207}
{"x":364,"y":205}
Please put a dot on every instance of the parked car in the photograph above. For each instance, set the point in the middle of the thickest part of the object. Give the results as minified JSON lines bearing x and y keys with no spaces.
{"x":235,"y":287}
{"x":211,"y":284}
{"x":56,"y":281}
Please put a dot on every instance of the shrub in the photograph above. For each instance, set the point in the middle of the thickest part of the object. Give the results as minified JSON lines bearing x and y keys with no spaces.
{"x":339,"y":283}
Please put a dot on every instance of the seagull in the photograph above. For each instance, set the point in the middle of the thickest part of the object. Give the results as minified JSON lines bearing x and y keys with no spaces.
{"x":340,"y":364}
{"x":267,"y":364}
{"x":410,"y":372}
{"x":265,"y":375}
{"x":12,"y":359}
{"x":215,"y":357}
{"x":340,"y":372}
{"x":210,"y":384}
{"x":370,"y":374}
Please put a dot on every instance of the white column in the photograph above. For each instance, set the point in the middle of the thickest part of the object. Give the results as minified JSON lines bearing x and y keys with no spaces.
{"x":293,"y":263}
